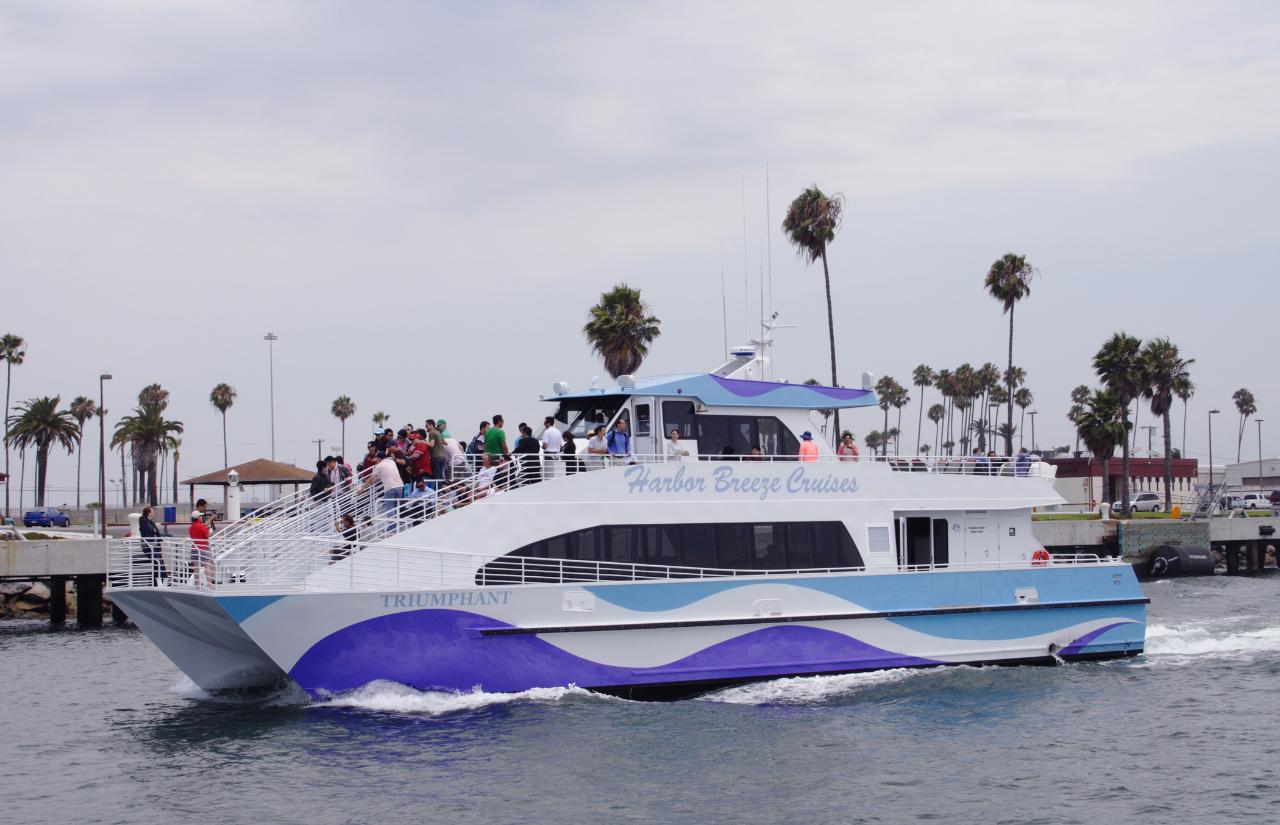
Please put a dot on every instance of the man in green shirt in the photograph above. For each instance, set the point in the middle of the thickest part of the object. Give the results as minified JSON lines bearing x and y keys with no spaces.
{"x":436,"y":442}
{"x":495,"y":443}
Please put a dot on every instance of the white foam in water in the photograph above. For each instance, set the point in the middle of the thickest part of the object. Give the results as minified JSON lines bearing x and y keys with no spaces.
{"x":1200,"y":640}
{"x":806,"y":690}
{"x":392,"y":697}
{"x":188,"y":689}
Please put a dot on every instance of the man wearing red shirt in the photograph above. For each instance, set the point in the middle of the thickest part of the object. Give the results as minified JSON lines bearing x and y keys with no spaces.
{"x":419,"y":455}
{"x":200,"y":556}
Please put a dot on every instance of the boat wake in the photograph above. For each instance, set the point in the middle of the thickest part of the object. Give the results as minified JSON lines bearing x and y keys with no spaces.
{"x":810,"y":690}
{"x":1205,"y":641}
{"x":392,"y":697}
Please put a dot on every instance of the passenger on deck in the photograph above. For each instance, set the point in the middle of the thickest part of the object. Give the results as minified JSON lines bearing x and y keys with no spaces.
{"x":552,"y":440}
{"x":201,"y":559}
{"x":495,"y":444}
{"x":569,"y":452}
{"x":619,"y":442}
{"x":1023,"y":465}
{"x":320,"y":483}
{"x":597,"y":448}
{"x":151,"y":546}
{"x":808,"y":448}
{"x":422,"y":502}
{"x":435,"y":443}
{"x":848,"y":449}
{"x":528,"y":448}
{"x":675,"y":449}
{"x":347,"y":529}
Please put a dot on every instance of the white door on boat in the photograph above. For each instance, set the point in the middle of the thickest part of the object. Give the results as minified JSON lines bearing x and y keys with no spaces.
{"x":978,"y":539}
{"x":642,"y":437}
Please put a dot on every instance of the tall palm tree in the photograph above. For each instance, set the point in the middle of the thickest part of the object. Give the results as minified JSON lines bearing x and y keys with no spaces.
{"x":1246,"y":406}
{"x":221,"y":397}
{"x":1119,"y":365}
{"x":40,"y":424}
{"x":874,"y":440}
{"x":886,"y":394}
{"x":1184,"y":389}
{"x":82,"y":409}
{"x":176,"y":444}
{"x":922,"y":376}
{"x":826,"y":414}
{"x":343,"y":408}
{"x":620,"y":330}
{"x":1165,"y":368}
{"x":1100,"y":426}
{"x":1023,"y":398}
{"x":379,"y":420}
{"x":936,"y":412}
{"x":147,"y":433}
{"x":1079,"y":396}
{"x":1008,"y":281}
{"x":811,"y":223}
{"x":13,"y":349}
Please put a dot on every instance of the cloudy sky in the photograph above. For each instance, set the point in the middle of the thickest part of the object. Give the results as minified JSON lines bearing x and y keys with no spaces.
{"x":423,"y":200}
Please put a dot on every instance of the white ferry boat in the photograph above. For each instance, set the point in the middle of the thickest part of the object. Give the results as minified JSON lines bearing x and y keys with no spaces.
{"x":648,"y":576}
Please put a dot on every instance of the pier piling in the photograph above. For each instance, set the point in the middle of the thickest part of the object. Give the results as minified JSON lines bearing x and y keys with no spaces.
{"x":89,"y":600}
{"x":57,"y":600}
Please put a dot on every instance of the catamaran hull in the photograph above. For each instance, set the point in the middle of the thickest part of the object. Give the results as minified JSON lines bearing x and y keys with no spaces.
{"x":647,"y":639}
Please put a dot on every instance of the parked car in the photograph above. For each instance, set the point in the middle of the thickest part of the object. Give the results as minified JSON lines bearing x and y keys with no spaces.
{"x":48,"y":517}
{"x":1142,"y":503}
{"x":1274,"y":498}
{"x":1253,"y":501}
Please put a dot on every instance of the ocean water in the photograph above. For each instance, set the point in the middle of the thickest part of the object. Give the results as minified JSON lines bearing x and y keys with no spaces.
{"x":99,"y":727}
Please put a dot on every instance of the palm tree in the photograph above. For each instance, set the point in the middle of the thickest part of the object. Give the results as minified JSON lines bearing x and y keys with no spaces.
{"x":379,"y":420}
{"x":13,"y":349}
{"x":936,"y":412}
{"x":620,"y":330}
{"x":901,"y":398}
{"x":343,"y":408}
{"x":1079,"y":396}
{"x":39,"y":423}
{"x":82,"y":409}
{"x":1008,"y":282}
{"x":826,"y":414}
{"x":811,"y":223}
{"x":1165,"y":368}
{"x":1246,"y":406}
{"x":1119,"y":365}
{"x":874,"y":440}
{"x":886,"y":393}
{"x":1100,"y":427}
{"x":221,"y":397}
{"x":1184,"y":389}
{"x":922,"y":376}
{"x":176,"y":444}
{"x":1023,"y":398}
{"x":147,"y":432}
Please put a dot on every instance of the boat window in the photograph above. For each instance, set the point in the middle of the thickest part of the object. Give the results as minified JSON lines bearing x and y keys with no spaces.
{"x":878,"y":540}
{"x":728,"y":434}
{"x":941,"y":550}
{"x":581,"y":414}
{"x":643,"y":422}
{"x":722,"y":548}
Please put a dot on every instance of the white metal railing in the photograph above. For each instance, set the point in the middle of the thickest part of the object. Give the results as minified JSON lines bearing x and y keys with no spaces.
{"x":334,"y":564}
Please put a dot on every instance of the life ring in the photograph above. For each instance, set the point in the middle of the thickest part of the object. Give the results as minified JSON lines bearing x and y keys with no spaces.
{"x":1040,"y":558}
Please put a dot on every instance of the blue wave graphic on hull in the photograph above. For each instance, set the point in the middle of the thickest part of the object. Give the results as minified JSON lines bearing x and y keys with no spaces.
{"x":443,"y":649}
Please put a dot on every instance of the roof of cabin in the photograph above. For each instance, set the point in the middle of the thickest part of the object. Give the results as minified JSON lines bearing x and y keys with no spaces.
{"x":714,"y":390}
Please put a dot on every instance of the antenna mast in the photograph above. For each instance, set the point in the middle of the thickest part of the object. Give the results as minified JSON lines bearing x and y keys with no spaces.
{"x":724,"y":303}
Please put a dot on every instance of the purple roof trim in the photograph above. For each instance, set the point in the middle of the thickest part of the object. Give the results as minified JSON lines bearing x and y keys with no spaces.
{"x":744,"y":388}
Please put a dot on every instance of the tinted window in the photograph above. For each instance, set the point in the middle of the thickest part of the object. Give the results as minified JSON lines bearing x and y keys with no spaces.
{"x":732,"y":546}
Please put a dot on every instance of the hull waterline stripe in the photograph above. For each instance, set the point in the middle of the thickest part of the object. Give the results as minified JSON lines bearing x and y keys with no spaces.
{"x":820,"y":617}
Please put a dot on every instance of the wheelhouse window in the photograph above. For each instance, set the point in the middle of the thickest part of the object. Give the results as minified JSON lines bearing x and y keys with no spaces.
{"x":584,"y":414}
{"x":609,"y":551}
{"x":728,"y":434}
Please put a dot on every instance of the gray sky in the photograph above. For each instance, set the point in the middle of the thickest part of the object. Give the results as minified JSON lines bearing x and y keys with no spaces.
{"x":422,"y":201}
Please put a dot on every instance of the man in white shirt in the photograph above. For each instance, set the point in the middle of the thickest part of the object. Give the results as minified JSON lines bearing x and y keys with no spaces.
{"x":552,"y":441}
{"x":675,"y":447}
{"x":387,"y":475}
{"x":597,"y":448}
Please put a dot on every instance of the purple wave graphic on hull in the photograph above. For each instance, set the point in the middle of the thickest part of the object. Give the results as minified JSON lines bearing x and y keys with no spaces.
{"x":1084,"y":641}
{"x":443,"y":649}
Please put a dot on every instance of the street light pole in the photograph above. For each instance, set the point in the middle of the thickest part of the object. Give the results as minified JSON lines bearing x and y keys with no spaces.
{"x":1033,"y":414}
{"x":271,"y":338}
{"x":1212,"y":413}
{"x":1259,"y":420}
{"x":318,"y":442}
{"x":102,"y":450}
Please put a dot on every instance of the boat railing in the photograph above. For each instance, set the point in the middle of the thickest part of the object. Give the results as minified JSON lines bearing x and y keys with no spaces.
{"x":332,"y":564}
